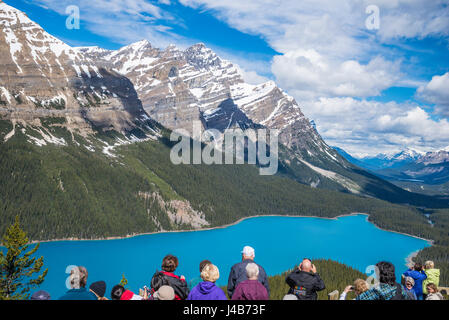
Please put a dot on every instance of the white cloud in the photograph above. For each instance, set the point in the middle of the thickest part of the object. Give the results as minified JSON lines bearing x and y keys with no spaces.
{"x":123,"y":21}
{"x":413,"y":18}
{"x":437,"y":92}
{"x":252,"y":77}
{"x":329,"y":58}
{"x":371,"y":127}
{"x":306,"y":73}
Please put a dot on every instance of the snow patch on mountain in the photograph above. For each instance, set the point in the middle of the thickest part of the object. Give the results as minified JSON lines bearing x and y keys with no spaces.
{"x":348,"y":184}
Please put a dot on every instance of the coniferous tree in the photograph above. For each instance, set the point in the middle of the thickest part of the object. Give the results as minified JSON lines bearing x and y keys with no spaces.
{"x":18,"y":266}
{"x":124,"y":281}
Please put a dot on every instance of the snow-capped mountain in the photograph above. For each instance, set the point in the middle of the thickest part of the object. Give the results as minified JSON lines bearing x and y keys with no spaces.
{"x":384,"y":160}
{"x":42,"y":76}
{"x":440,"y":156}
{"x":409,"y":165}
{"x":127,"y":88}
{"x":178,"y":86}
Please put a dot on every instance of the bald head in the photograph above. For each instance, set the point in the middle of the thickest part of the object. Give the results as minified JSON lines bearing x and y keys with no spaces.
{"x":306,"y":265}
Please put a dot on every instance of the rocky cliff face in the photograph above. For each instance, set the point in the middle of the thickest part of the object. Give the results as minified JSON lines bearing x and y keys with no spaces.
{"x":180,"y":86}
{"x":43,"y":77}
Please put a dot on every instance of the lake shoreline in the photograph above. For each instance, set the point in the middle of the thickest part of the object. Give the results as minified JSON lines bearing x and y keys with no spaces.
{"x":409,"y":260}
{"x":230,"y":225}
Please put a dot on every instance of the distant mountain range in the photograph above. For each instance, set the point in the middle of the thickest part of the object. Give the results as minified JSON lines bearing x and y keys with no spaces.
{"x":408,"y":166}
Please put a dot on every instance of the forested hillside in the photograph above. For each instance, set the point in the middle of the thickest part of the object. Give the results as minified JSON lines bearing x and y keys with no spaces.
{"x":69,"y":191}
{"x":439,"y":252}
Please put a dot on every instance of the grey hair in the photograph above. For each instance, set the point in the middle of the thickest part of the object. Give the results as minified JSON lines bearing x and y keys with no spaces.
{"x":78,"y":277}
{"x":252,"y":270}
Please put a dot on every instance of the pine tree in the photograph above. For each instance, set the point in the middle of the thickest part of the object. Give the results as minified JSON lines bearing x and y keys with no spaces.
{"x":124,"y":281}
{"x":17,"y":266}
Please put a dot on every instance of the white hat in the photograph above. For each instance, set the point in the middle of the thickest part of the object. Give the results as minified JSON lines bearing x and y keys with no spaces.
{"x":248,"y":251}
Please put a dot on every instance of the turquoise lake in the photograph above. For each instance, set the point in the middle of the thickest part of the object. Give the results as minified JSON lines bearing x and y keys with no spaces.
{"x":280,"y":243}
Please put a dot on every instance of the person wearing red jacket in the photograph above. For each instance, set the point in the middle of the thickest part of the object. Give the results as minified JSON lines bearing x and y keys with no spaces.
{"x":168,"y":278}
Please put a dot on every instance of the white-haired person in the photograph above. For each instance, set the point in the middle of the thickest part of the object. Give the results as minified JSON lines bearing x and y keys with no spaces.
{"x":251,"y":289}
{"x":408,"y":287}
{"x":238,"y":271}
{"x":207,"y":289}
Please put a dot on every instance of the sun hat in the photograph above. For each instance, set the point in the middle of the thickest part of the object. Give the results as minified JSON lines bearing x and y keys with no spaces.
{"x":165,"y":293}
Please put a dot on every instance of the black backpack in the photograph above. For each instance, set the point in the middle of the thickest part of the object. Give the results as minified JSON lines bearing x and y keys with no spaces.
{"x":159,"y":279}
{"x":398,"y":295}
{"x":180,"y":287}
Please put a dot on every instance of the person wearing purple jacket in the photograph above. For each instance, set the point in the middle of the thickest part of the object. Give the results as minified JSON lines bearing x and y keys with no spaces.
{"x":207,"y":290}
{"x":419,"y":276}
{"x":251,"y":289}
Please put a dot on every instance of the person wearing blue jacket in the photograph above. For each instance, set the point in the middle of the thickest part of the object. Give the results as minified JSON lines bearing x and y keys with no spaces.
{"x":419,"y":276}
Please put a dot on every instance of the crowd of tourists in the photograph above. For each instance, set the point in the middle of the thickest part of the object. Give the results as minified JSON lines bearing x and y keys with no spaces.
{"x":248,"y":281}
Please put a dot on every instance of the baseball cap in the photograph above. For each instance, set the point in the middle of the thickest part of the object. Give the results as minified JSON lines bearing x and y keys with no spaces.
{"x":248,"y":251}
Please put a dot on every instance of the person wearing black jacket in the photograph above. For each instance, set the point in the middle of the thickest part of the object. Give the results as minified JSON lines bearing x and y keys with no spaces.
{"x":305,"y":282}
{"x":166,"y":277}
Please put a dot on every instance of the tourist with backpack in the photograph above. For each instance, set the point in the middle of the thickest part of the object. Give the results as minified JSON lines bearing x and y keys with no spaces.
{"x":387,"y":288}
{"x":167,"y":277}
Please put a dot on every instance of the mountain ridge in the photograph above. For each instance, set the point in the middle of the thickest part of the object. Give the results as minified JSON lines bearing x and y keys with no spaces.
{"x":101,"y":101}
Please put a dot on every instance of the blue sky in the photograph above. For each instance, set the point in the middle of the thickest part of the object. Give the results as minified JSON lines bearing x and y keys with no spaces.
{"x":384,"y":88}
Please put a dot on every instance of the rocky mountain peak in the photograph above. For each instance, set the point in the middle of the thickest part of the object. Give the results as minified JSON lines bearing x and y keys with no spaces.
{"x":437,"y":157}
{"x":61,"y":81}
{"x":202,"y":57}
